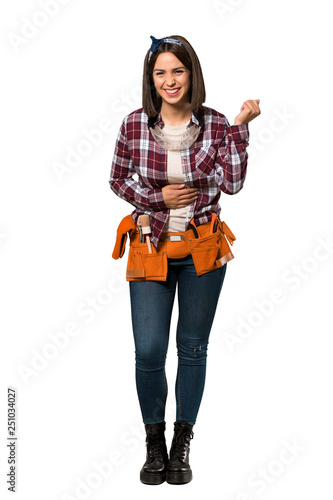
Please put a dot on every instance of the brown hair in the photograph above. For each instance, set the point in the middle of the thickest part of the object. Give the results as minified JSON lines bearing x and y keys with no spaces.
{"x":151,"y":100}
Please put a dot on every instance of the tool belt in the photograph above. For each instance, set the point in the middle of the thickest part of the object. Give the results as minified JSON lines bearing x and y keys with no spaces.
{"x":208,"y":244}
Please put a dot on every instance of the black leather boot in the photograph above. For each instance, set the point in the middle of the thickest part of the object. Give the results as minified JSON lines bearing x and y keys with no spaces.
{"x":154,"y":468}
{"x":179,"y":470}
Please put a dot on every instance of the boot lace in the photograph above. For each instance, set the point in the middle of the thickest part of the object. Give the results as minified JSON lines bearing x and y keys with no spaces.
{"x":155,"y":446}
{"x":179,"y":445}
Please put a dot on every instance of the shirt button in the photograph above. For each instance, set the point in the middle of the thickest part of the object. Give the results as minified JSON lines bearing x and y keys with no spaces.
{"x":230,"y":135}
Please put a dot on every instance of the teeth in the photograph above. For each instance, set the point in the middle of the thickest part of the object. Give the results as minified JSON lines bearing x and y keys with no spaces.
{"x":172,"y":91}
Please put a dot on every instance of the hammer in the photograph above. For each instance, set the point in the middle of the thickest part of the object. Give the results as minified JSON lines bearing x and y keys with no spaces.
{"x":145,"y":223}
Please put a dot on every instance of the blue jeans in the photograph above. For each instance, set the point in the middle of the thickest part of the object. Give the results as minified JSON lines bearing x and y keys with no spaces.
{"x":151,"y":308}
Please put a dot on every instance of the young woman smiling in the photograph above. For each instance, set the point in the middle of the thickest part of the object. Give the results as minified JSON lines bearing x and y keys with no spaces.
{"x":185,"y":155}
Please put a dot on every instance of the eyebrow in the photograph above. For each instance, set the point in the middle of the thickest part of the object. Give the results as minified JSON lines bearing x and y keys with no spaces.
{"x":174,"y":69}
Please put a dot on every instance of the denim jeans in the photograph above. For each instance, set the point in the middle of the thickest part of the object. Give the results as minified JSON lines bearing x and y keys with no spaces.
{"x":151,"y":308}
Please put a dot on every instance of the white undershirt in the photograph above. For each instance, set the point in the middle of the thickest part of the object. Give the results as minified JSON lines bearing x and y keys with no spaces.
{"x":176,"y":222}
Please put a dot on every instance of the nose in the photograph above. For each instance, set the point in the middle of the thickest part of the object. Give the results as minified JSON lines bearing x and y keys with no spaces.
{"x":170,"y":80}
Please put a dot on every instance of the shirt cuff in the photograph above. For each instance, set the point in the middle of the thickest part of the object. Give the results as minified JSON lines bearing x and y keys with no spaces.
{"x":238,"y":133}
{"x":156,"y":200}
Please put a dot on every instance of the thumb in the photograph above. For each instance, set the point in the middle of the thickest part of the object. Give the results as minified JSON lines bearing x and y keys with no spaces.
{"x":258,"y":100}
{"x":177,"y":186}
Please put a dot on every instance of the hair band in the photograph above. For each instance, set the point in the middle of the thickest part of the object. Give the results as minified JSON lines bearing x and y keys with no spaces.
{"x":156,"y":42}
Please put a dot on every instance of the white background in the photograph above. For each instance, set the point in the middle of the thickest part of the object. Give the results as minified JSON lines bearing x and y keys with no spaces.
{"x":269,"y":368}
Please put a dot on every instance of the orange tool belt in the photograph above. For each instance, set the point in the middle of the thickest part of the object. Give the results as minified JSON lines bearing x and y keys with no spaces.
{"x":208,"y":244}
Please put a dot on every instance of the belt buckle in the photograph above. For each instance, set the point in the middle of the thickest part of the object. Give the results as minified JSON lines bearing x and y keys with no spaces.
{"x":175,"y":237}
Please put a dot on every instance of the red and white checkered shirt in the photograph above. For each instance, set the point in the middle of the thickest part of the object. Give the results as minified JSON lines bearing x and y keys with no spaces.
{"x":216,"y":161}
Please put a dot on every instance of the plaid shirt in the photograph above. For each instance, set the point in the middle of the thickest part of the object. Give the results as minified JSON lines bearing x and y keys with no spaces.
{"x":217,"y":161}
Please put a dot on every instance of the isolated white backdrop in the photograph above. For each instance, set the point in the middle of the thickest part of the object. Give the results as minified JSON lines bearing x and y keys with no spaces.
{"x":264,"y":428}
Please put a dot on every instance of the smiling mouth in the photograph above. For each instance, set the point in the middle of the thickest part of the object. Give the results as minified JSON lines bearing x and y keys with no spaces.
{"x":172,"y":92}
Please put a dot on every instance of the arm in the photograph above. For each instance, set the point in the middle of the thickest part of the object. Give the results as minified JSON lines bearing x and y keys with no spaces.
{"x":122,"y":182}
{"x":231,"y":159}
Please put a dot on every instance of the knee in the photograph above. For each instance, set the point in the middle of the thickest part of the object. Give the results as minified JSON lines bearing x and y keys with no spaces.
{"x":149,"y":360}
{"x":193,"y":352}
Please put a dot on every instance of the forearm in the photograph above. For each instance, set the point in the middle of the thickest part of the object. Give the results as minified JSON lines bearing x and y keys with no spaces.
{"x":141,"y":197}
{"x":231,"y":164}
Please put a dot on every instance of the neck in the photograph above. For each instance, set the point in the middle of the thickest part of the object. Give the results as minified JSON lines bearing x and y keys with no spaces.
{"x":176,"y":115}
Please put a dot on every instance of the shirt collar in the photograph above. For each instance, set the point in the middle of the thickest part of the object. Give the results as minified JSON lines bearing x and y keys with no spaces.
{"x":193,"y":119}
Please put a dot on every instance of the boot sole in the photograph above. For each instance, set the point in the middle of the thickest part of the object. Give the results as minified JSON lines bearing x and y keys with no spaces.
{"x":153,"y":479}
{"x":179,"y":477}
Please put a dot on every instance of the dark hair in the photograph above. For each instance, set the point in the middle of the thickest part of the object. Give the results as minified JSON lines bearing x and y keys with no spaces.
{"x":151,"y":100}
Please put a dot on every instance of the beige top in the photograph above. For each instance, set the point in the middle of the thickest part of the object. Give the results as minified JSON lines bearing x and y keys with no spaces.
{"x":176,"y":221}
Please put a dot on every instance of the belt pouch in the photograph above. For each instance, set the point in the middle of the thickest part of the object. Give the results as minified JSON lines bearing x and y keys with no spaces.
{"x":145,"y":266}
{"x":211,"y":250}
{"x":205,"y":252}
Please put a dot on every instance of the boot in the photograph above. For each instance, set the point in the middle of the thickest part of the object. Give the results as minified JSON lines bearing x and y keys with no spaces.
{"x":154,"y":468}
{"x":179,"y":470}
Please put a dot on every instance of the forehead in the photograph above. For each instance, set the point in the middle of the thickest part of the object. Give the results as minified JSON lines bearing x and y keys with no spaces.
{"x":167,"y":60}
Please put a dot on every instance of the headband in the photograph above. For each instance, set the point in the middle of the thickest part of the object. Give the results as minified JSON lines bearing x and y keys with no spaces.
{"x":156,"y":42}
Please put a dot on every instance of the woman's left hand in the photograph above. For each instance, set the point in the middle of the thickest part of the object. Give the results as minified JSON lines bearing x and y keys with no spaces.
{"x":249,"y":110}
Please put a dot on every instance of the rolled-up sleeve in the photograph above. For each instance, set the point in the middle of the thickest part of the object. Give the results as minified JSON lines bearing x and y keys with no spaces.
{"x":124,"y":185}
{"x":231,"y":158}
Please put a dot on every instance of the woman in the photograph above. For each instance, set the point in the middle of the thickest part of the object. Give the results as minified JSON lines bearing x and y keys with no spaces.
{"x":184,"y":154}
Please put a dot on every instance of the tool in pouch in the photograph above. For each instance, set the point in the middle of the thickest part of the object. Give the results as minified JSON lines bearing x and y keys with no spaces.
{"x":208,"y":244}
{"x":144,"y":231}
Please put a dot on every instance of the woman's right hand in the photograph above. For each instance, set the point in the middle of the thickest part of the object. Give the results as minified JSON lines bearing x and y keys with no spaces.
{"x":178,"y":196}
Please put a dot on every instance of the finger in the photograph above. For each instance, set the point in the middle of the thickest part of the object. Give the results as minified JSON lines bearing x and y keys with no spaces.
{"x":188,"y":192}
{"x":175,"y":186}
{"x":185,"y":196}
{"x":253,"y":108}
{"x":183,"y":188}
{"x":250,"y":105}
{"x":256,"y":107}
{"x":188,"y":201}
{"x":245,"y":108}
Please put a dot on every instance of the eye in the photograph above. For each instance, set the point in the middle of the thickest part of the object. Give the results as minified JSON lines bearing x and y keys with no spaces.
{"x":180,"y":71}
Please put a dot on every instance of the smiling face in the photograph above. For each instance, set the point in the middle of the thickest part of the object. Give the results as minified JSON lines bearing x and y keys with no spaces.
{"x":171,"y":79}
